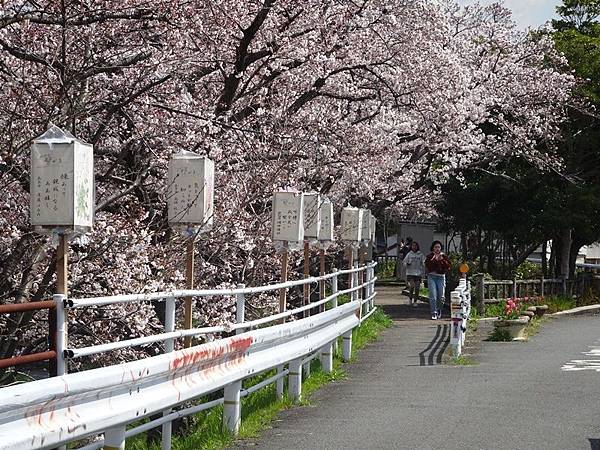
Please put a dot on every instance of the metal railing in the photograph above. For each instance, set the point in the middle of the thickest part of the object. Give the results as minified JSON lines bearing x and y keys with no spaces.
{"x":52,"y":412}
{"x":50,"y":354}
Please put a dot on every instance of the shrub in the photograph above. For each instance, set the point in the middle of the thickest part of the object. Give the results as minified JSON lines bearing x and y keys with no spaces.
{"x":528,"y":271}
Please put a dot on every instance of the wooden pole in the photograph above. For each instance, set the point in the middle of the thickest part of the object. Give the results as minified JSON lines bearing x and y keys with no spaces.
{"x":284,"y":276}
{"x":62,"y":275}
{"x":321,"y":273}
{"x":189,"y":278}
{"x":306,"y":300}
{"x":62,"y":281}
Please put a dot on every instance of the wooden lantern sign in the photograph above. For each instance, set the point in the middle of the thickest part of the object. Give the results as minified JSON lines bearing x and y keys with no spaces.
{"x":365,"y":225}
{"x":312,"y":216}
{"x":190,"y":192}
{"x":62,"y":183}
{"x":351,"y":226}
{"x":288,"y":219}
{"x":326,"y":230}
{"x":62,"y":202}
{"x":190,"y":209}
{"x":287,"y":231}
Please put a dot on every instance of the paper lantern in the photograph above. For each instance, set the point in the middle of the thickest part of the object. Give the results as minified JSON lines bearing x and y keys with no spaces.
{"x":62,"y":182}
{"x":326,"y":230}
{"x":312,"y":216}
{"x":351,"y":224}
{"x":288,"y":216}
{"x":190,"y":190}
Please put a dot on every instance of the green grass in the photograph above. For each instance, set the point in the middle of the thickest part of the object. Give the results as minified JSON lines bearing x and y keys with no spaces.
{"x":260,"y":408}
{"x":385,"y":270}
{"x":494,"y":309}
{"x":534,"y":326}
{"x":556,"y":304}
{"x":500,"y":335}
{"x":462,"y":361}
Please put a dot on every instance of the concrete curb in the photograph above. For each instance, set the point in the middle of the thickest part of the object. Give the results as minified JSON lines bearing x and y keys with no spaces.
{"x":577,"y":311}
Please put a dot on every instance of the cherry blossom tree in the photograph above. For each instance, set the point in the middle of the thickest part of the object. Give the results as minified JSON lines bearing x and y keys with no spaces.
{"x":373,"y":102}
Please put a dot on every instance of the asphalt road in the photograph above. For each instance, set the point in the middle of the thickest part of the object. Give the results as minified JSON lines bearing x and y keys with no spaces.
{"x":399,"y":396}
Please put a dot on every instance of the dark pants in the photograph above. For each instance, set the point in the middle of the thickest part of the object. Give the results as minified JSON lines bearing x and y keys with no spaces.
{"x":414,"y":287}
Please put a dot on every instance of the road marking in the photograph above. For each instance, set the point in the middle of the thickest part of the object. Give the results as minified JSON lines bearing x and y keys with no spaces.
{"x":585,"y":364}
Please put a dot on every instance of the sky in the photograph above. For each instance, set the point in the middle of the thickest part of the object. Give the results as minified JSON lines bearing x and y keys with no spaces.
{"x":528,"y":13}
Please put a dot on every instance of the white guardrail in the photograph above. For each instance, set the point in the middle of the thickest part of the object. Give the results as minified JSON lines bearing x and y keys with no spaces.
{"x":460,"y":305}
{"x":52,"y":412}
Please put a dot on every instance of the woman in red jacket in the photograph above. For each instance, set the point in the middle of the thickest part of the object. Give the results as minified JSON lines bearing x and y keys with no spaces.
{"x":437,"y":265}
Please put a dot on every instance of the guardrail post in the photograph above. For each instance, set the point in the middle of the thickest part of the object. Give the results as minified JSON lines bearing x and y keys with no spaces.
{"x":371,"y":286}
{"x":368,"y":287}
{"x":327,"y":358}
{"x":347,"y":345}
{"x":114,"y":438}
{"x":169,"y":347}
{"x":295,"y":380}
{"x":240,"y":308}
{"x":231,"y":407}
{"x":355,"y":295}
{"x":334,"y":301}
{"x":280,"y":382}
{"x":456,"y":315}
{"x":306,"y":369}
{"x":61,"y":333}
{"x":364,"y":292}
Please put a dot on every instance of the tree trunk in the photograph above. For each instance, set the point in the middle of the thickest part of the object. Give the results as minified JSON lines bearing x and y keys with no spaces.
{"x":565,"y":251}
{"x":576,"y":245}
{"x":463,"y":246}
{"x":544,"y":258}
{"x":552,"y":268}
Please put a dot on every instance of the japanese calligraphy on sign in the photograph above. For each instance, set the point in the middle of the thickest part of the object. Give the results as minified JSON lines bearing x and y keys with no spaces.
{"x":312,"y":216}
{"x":351,"y":224}
{"x":190,"y":190}
{"x":288,"y":215}
{"x":326,"y":231}
{"x":365,"y":232}
{"x":62,"y":179}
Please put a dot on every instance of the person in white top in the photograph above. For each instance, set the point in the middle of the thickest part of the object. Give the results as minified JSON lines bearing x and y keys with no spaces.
{"x":414,"y":262}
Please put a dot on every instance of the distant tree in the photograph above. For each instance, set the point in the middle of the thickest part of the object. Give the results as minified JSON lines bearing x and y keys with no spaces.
{"x":506,"y":212}
{"x":577,"y":36}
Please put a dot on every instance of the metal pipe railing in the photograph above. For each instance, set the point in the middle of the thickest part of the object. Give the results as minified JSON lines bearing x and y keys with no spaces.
{"x":49,"y":355}
{"x":161,"y":296}
{"x":170,"y":336}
